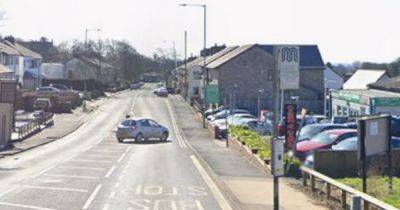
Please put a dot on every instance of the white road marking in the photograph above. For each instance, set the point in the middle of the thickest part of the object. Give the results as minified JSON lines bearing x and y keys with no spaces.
{"x":181,"y":142}
{"x":23,"y":206}
{"x":112,"y":195}
{"x":127,"y":149}
{"x":44,"y":171}
{"x":223,"y":203}
{"x":81,"y":168}
{"x":53,"y":188}
{"x":120,"y":177}
{"x":8,"y":190}
{"x":92,"y":197}
{"x":103,"y":151}
{"x":106,"y":206}
{"x":120,"y":158}
{"x":87,"y":160}
{"x":110,"y":172}
{"x":72,"y":176}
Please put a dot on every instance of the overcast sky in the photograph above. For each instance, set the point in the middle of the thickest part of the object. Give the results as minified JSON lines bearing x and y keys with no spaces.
{"x":345,"y":30}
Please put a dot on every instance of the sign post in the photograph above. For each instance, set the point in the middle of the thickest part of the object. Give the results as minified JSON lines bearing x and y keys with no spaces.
{"x":374,"y":138}
{"x":285,"y":77}
{"x":290,"y":125}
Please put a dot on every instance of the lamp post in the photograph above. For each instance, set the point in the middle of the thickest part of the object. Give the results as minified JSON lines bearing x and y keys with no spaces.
{"x":87,"y":47}
{"x":204,"y":6}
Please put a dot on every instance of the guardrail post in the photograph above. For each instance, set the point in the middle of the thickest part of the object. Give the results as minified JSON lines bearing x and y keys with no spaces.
{"x":328,"y":190}
{"x":355,"y":202}
{"x":312,"y":183}
{"x":343,"y":199}
{"x":304,"y":179}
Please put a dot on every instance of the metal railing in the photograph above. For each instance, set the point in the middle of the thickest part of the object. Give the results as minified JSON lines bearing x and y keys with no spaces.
{"x":33,"y":125}
{"x":358,"y":200}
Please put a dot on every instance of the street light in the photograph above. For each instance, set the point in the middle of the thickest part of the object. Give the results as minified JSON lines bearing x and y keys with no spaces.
{"x":86,"y":46}
{"x":204,"y":52}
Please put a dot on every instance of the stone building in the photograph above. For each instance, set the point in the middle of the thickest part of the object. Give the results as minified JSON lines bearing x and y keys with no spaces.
{"x":245,"y":74}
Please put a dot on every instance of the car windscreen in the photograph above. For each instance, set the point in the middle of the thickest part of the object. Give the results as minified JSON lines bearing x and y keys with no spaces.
{"x":324,"y":138}
{"x":308,"y":132}
{"x":348,"y":144}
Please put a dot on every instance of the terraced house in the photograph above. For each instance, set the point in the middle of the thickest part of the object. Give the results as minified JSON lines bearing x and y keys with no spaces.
{"x":244,"y":74}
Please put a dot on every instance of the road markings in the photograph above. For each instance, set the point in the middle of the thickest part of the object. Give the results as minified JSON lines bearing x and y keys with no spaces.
{"x":9,"y":190}
{"x":54,"y":188}
{"x":72,"y":176}
{"x":82,"y":168}
{"x":88,"y":160}
{"x":110,"y":172}
{"x":127,"y":149}
{"x":181,"y":142}
{"x":23,"y":206}
{"x":223,"y":203}
{"x":120,"y":177}
{"x":120,"y":158}
{"x":92,"y":197}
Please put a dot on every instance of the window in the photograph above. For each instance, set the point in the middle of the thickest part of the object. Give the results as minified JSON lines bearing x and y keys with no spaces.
{"x":196,"y":91}
{"x":153,"y":124}
{"x":145,"y":123}
{"x":126,"y":123}
{"x":338,"y":110}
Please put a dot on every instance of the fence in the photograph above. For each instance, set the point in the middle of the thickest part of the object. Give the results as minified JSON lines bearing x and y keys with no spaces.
{"x":357,"y":199}
{"x":33,"y":126}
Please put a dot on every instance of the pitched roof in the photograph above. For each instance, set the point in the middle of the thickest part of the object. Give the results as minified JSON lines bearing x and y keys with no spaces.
{"x":228,"y":56}
{"x":392,"y":84}
{"x":7,"y":49}
{"x":23,"y":50}
{"x":310,"y":57}
{"x":362,"y":77}
{"x":219,"y":54}
{"x":5,"y":69}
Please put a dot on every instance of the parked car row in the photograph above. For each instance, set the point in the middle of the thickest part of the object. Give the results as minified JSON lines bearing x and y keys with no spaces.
{"x":331,"y":136}
{"x":136,"y":85}
{"x":222,"y":118}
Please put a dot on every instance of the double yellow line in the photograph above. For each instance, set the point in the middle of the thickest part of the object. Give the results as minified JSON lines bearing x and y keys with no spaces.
{"x":181,"y":141}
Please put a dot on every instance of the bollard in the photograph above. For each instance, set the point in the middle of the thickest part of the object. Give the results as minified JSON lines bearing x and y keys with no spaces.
{"x":355,"y":202}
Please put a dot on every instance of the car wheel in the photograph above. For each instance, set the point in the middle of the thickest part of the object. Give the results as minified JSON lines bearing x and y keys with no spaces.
{"x":164,"y":136}
{"x":120,"y":140}
{"x":139,"y":137}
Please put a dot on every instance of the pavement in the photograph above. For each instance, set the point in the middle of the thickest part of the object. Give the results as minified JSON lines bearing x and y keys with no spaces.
{"x":89,"y":169}
{"x":250,"y":187}
{"x":64,"y":124}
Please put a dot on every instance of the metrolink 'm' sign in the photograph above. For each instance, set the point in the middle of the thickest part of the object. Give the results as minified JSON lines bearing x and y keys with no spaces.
{"x":288,"y":63}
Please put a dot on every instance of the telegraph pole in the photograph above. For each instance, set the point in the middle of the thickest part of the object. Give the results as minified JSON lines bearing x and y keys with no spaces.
{"x":275,"y":102}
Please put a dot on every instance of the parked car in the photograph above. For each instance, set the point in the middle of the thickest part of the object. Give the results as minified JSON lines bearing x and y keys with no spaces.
{"x":225,"y":113}
{"x":209,"y":112}
{"x":309,"y":131}
{"x":235,"y":119}
{"x":324,"y":140}
{"x":162,"y":91}
{"x":141,"y":129}
{"x":262,"y":128}
{"x":135,"y":86}
{"x":394,"y":126}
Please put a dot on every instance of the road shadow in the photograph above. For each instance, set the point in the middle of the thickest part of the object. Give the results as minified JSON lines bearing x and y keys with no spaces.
{"x":146,"y":142}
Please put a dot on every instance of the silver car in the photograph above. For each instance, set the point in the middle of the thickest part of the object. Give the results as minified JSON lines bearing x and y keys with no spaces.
{"x":141,"y":129}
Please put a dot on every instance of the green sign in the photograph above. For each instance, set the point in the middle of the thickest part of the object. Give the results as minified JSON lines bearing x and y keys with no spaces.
{"x":212,"y":94}
{"x":386,"y":101}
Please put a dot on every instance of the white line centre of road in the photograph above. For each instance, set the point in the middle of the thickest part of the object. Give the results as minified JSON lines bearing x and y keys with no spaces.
{"x":110,"y":172}
{"x":120,"y":158}
{"x":92,"y":197}
{"x":223,"y":203}
{"x":81,"y":168}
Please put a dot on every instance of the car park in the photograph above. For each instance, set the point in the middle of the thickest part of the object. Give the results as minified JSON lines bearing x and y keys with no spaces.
{"x":324,"y":140}
{"x":141,"y":129}
{"x":262,"y":128}
{"x":309,"y":131}
{"x":226,"y":113}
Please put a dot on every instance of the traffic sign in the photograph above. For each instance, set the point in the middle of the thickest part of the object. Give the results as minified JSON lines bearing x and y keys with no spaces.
{"x":288,"y":66}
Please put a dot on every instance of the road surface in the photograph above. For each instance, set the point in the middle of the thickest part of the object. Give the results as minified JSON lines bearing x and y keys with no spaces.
{"x":88,"y":169}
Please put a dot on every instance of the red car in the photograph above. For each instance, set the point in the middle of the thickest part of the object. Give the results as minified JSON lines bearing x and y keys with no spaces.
{"x":323,"y":140}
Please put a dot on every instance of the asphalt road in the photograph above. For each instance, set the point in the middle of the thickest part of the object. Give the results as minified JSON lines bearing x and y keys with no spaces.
{"x":88,"y":169}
